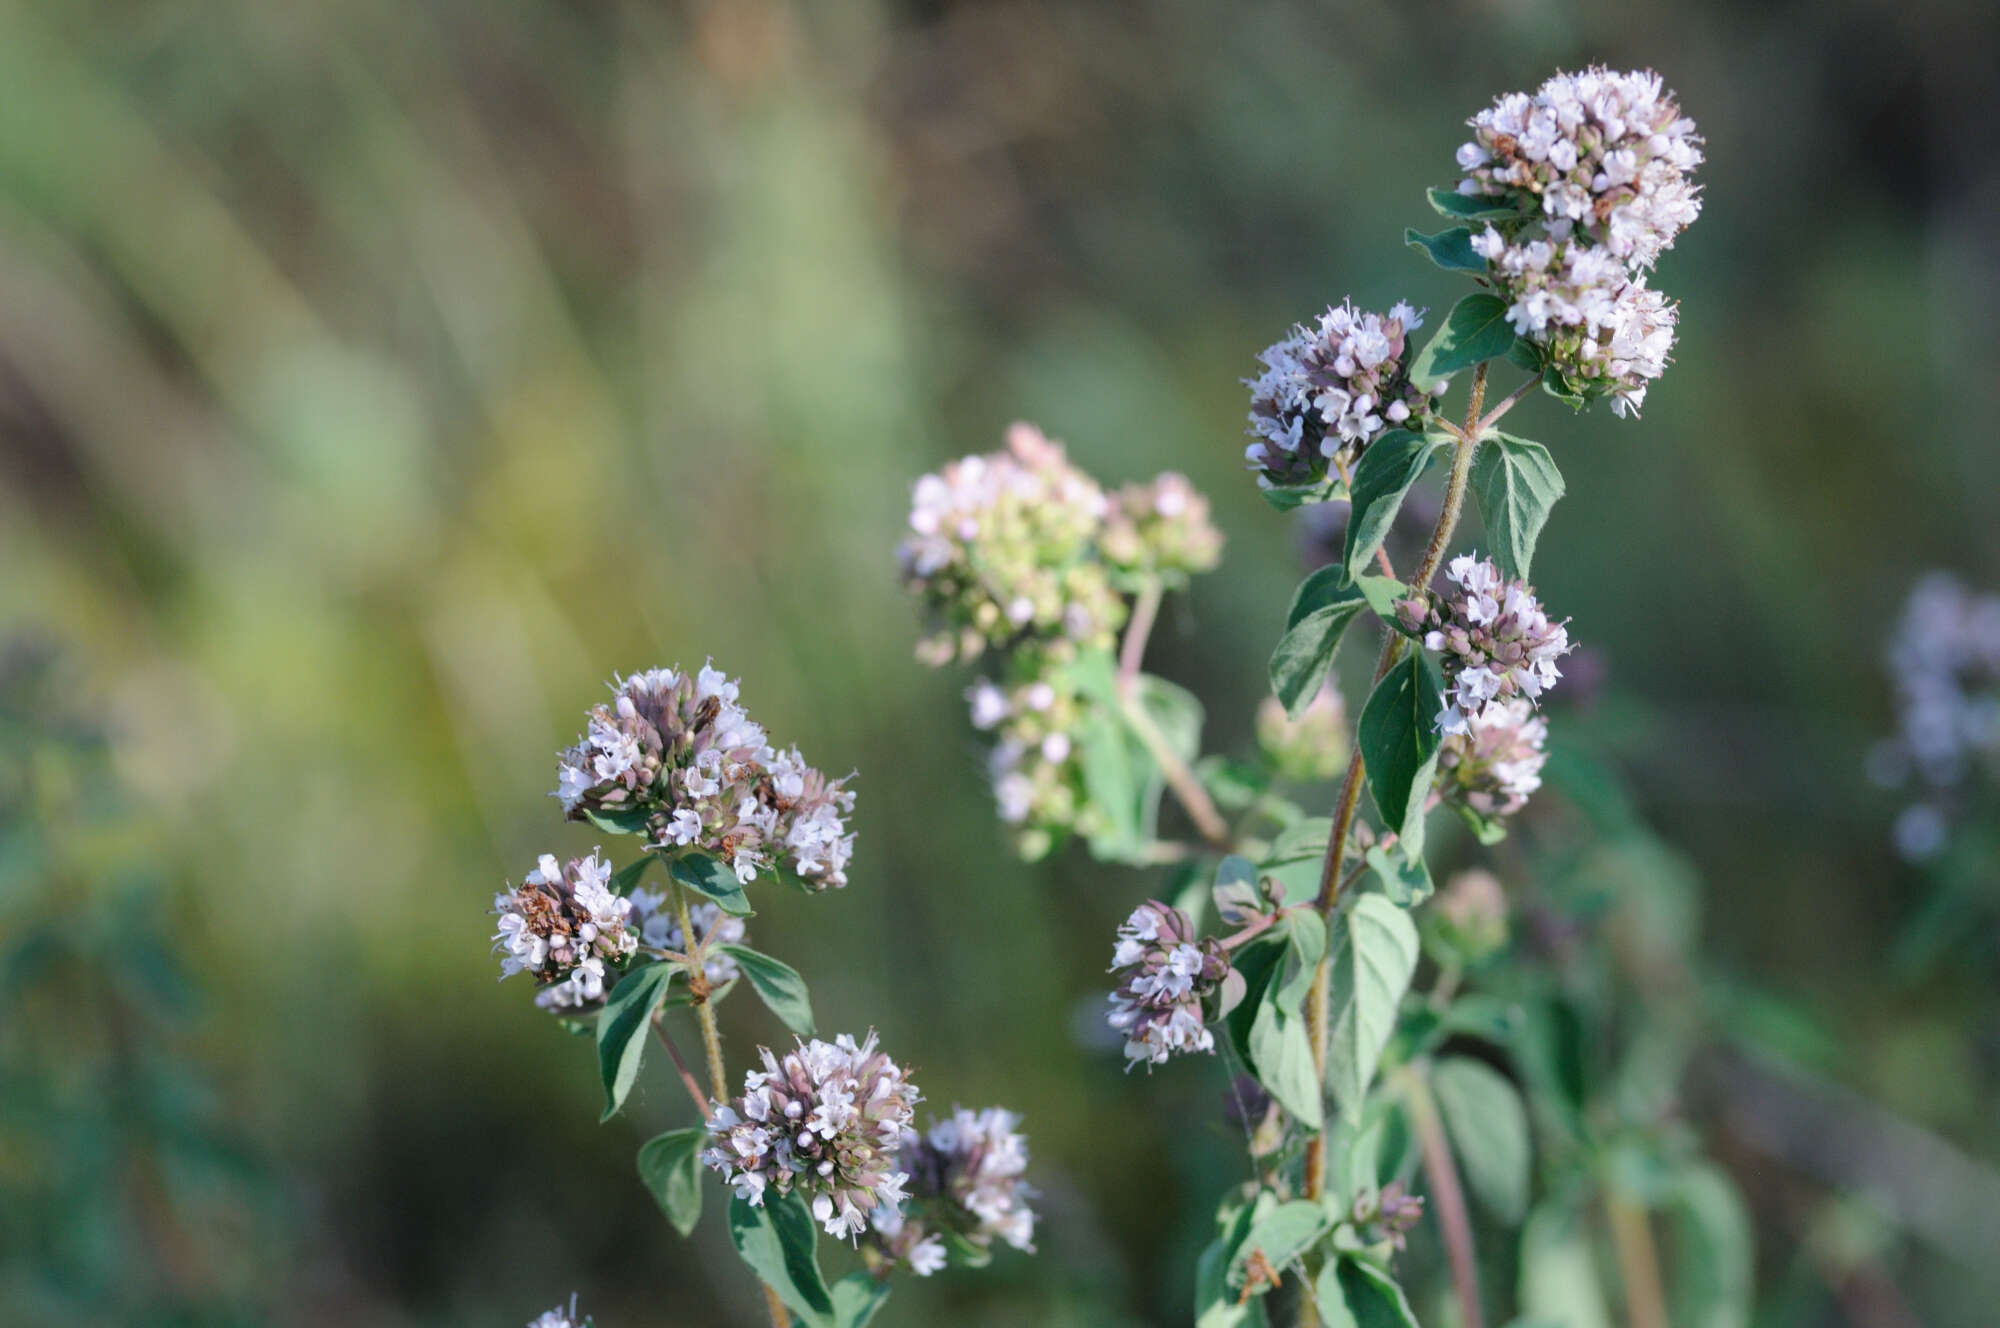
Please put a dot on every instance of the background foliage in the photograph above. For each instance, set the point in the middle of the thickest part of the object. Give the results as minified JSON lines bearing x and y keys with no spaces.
{"x":375,"y":380}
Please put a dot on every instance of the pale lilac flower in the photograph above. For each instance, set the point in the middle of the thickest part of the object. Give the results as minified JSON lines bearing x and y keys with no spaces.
{"x":1160,"y":529}
{"x":1164,"y":974}
{"x":560,"y":925}
{"x":1944,"y":664}
{"x":824,"y":1121}
{"x":1493,"y":639}
{"x":560,"y":1317}
{"x":967,"y":1177}
{"x":1495,"y":762}
{"x":1329,"y":390}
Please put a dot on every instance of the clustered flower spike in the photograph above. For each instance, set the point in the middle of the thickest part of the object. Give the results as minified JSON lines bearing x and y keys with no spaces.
{"x":1160,"y":529}
{"x":1495,"y":642}
{"x":966,"y":1177}
{"x":1605,"y":153}
{"x":678,"y":750}
{"x":825,"y":1122}
{"x":1944,"y":663}
{"x":561,"y":924}
{"x":1496,"y":762}
{"x":1002,"y":546}
{"x":1164,"y":974}
{"x":653,"y":916}
{"x":1329,"y":390}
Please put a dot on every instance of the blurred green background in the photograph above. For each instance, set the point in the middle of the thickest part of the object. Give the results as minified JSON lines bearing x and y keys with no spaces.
{"x":377,"y":379}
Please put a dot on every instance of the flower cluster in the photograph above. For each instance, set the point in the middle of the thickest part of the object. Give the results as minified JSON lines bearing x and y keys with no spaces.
{"x":560,"y":1317}
{"x":1470,"y":917}
{"x":1329,"y":390}
{"x":1495,"y":641}
{"x":1002,"y":546}
{"x":1160,"y":529}
{"x":562,"y":924}
{"x":1034,"y":764}
{"x":676,"y":752}
{"x":1164,"y":974}
{"x":658,"y":927}
{"x":1944,"y":662}
{"x":1496,"y":761}
{"x":1312,"y":747}
{"x":966,"y":1177}
{"x":1386,"y":1214}
{"x":1599,"y":325}
{"x":1606,"y":153}
{"x":1605,"y":158}
{"x":825,"y":1122}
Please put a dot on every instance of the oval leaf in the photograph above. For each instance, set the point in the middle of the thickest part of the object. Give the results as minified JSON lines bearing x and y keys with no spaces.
{"x":1374,"y":947}
{"x":622,"y":1026}
{"x":1488,"y":1127}
{"x":1399,"y":744}
{"x":1472,"y":207}
{"x":777,"y":1239}
{"x":1353,"y":1293}
{"x":1516,"y":485}
{"x":1382,"y":478}
{"x":1304,"y":654}
{"x":1282,"y":1234}
{"x":1450,"y":249}
{"x":670,"y":1167}
{"x":712,"y":879}
{"x":779,"y":984}
{"x":856,"y":1297}
{"x":1475,"y":330}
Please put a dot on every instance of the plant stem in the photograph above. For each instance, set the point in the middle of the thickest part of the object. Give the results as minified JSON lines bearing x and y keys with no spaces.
{"x":1441,"y":1175}
{"x":1492,"y":417}
{"x":1317,"y":1013}
{"x":1132,"y":650}
{"x":1638,"y":1261}
{"x":687,"y":1078}
{"x":711,"y":1041}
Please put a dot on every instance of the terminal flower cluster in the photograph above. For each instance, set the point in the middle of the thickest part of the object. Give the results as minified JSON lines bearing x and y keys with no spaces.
{"x":1494,"y":640}
{"x":1164,"y":975}
{"x":678,"y":752}
{"x":562,"y":924}
{"x":967,"y":1176}
{"x":1495,"y":763}
{"x":1160,"y":529}
{"x":1330,"y":389}
{"x":824,"y":1121}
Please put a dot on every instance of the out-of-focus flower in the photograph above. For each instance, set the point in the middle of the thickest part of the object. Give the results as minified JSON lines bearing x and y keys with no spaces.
{"x":1494,"y":640}
{"x":1164,"y":974}
{"x":560,"y":1317}
{"x":1312,"y":747}
{"x":677,"y":750}
{"x":967,"y":1179}
{"x":1035,"y":764}
{"x":1002,"y":546}
{"x":653,"y":917}
{"x":562,"y":924}
{"x":1386,"y":1214}
{"x":1160,"y":529}
{"x":825,"y":1122}
{"x":1495,"y":762}
{"x":1329,"y":390}
{"x":1470,"y":915}
{"x":1607,"y":154}
{"x":1596,"y":323}
{"x":1944,"y":664}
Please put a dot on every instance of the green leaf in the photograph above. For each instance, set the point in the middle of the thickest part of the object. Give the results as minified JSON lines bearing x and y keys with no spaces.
{"x":1301,"y":840}
{"x":1474,"y":207}
{"x":856,"y":1297}
{"x":777,"y":1239}
{"x":1488,"y":1127}
{"x":1261,"y":963}
{"x":1285,"y":497}
{"x":1282,"y":1234}
{"x":1714,"y":1247}
{"x":1558,"y":387}
{"x":1382,"y":478}
{"x":670,"y":1167}
{"x":711,"y":878}
{"x":1280,"y":1055}
{"x":1237,"y":895}
{"x":779,"y":984}
{"x":1475,"y":330}
{"x":1399,"y":744}
{"x":1305,"y":652}
{"x":617,"y":820}
{"x":1353,"y":1293}
{"x":1305,"y":933}
{"x":1559,"y":1278}
{"x":1215,"y":1305}
{"x":1450,"y":249}
{"x":622,"y":1026}
{"x":1516,"y":484}
{"x":1406,"y":882}
{"x":1374,"y":957}
{"x":628,"y":876}
{"x":1382,"y":592}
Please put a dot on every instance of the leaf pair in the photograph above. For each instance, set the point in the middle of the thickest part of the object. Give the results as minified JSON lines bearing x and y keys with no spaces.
{"x":778,"y":1239}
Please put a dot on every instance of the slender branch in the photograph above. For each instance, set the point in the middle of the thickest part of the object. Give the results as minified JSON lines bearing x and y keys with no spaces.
{"x":1638,"y":1261}
{"x":780,"y":1317}
{"x":1145,"y":610}
{"x":1330,"y":882}
{"x":1492,"y":417}
{"x":1193,"y":797}
{"x":1441,"y":1177}
{"x":693,"y":1085}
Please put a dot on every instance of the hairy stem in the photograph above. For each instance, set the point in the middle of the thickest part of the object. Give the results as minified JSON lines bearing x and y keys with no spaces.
{"x":1638,"y":1261}
{"x":1448,"y":1196}
{"x":688,"y":1080}
{"x":711,"y":1041}
{"x":1317,"y":1012}
{"x":1507,"y":403}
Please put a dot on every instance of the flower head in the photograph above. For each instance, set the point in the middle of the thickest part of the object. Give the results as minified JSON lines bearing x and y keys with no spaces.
{"x":1164,"y":974}
{"x":562,"y":924}
{"x":1002,"y":546}
{"x":823,"y":1121}
{"x":1160,"y":529}
{"x":967,"y":1178}
{"x":1329,"y":390}
{"x":1496,"y":761}
{"x":1605,"y":154}
{"x":677,"y":750}
{"x":1494,"y":640}
{"x":1470,"y":916}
